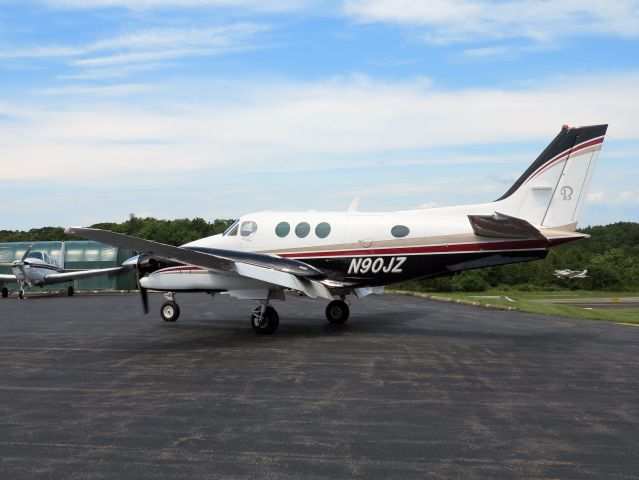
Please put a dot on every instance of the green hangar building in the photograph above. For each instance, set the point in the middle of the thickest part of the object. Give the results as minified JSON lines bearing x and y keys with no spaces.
{"x":80,"y":254}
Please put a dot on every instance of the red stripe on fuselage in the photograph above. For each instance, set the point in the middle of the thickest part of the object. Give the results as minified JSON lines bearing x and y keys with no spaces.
{"x":429,"y":249}
{"x":179,"y":269}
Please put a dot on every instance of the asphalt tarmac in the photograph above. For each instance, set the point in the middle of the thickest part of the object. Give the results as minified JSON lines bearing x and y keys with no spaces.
{"x":408,"y":388}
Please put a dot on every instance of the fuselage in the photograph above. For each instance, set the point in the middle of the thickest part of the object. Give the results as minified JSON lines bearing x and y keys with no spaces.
{"x":363,"y":249}
{"x":34,"y":269}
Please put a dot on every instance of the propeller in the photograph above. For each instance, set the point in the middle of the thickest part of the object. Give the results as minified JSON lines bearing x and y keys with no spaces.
{"x":144,"y":264}
{"x":145,"y":297}
{"x":26,"y":253}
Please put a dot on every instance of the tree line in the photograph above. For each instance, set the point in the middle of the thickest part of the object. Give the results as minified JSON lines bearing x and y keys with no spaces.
{"x":611,"y":256}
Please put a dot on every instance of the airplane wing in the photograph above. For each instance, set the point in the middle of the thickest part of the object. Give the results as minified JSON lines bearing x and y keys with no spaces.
{"x":80,"y":274}
{"x":268,"y":268}
{"x":7,"y":278}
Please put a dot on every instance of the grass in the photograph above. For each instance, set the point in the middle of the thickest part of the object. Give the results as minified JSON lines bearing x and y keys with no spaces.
{"x":542,"y":303}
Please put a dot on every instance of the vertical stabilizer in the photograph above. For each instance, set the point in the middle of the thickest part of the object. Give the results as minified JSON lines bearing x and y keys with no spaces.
{"x":551,"y":192}
{"x":63,"y":253}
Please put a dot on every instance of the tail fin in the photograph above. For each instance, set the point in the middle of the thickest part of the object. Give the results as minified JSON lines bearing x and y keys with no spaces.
{"x":552,"y":191}
{"x":63,"y":253}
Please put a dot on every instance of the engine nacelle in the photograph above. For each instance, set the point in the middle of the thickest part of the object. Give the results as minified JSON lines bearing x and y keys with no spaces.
{"x":145,"y":264}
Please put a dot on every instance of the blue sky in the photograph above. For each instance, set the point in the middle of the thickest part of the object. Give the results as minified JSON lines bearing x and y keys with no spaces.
{"x":216,"y":108}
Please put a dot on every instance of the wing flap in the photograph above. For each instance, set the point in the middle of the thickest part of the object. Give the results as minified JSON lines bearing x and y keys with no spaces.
{"x":310,"y":287}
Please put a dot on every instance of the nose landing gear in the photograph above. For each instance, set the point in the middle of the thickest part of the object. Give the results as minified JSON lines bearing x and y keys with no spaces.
{"x":170,"y":310}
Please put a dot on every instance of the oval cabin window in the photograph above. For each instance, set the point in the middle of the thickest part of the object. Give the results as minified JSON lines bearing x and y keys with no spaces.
{"x":399,"y":231}
{"x":302,"y":229}
{"x":282,"y":229}
{"x":323,"y":230}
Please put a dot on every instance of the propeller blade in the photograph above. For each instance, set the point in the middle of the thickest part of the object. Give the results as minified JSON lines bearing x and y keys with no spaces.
{"x":27,"y":252}
{"x":145,"y":299}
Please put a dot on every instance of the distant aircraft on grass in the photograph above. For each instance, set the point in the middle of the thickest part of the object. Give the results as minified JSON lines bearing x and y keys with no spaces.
{"x":335,"y":254}
{"x":567,"y":273}
{"x":39,"y":269}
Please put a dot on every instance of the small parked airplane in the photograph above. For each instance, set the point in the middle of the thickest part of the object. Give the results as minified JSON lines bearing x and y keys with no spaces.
{"x":335,"y":254}
{"x":567,"y":273}
{"x":37,"y":268}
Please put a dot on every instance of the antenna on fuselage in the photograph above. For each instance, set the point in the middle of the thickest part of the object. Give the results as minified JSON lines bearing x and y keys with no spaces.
{"x":354,"y":207}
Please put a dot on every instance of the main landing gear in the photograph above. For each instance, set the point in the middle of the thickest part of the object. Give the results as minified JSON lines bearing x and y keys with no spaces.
{"x":264,"y":319}
{"x":337,"y":311}
{"x":70,"y":291}
{"x":5,"y":292}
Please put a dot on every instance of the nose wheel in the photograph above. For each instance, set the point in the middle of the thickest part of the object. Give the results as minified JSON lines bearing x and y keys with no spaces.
{"x":264,"y":319}
{"x":21,"y":294}
{"x":170,"y":311}
{"x":337,"y":311}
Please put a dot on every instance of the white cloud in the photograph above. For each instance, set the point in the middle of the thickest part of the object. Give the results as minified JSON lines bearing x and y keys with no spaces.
{"x":109,"y":90}
{"x":256,"y":5}
{"x":348,"y":122}
{"x":448,"y":21}
{"x":624,"y":197}
{"x":146,"y":48}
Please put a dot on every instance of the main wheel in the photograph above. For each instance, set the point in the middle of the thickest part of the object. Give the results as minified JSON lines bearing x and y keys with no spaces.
{"x":170,"y":311}
{"x":337,"y":311}
{"x":269,"y":323}
{"x":5,"y":292}
{"x":70,"y":291}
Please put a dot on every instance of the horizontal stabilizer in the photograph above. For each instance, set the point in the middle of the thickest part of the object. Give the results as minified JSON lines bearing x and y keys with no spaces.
{"x":499,"y":225}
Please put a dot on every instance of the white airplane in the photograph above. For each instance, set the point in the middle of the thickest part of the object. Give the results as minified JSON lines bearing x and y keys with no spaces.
{"x":567,"y":273}
{"x":37,"y":268}
{"x":335,"y":254}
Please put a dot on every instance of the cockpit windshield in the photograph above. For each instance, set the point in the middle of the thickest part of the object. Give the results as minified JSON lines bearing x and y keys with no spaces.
{"x":232,"y":230}
{"x":37,"y":255}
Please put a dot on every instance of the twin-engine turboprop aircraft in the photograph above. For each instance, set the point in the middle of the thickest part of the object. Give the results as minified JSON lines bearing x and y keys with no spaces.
{"x":335,"y":254}
{"x":37,"y":268}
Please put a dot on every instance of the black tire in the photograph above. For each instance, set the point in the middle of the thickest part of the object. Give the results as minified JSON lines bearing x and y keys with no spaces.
{"x":21,"y":294}
{"x":170,"y":311}
{"x":337,"y":311}
{"x":5,"y":292}
{"x":270,"y":322}
{"x":70,"y":291}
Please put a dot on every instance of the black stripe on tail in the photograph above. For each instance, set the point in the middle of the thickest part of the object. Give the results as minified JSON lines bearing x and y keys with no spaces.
{"x":564,"y":141}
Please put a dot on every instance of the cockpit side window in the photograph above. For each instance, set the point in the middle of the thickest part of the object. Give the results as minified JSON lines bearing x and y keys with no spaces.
{"x":248,"y":228}
{"x":231,"y":231}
